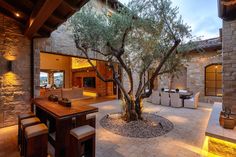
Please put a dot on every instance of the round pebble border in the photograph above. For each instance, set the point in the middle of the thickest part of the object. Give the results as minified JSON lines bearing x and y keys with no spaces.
{"x":151,"y":126}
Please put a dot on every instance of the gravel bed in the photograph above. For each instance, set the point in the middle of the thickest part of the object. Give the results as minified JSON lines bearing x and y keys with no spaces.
{"x":152,"y":125}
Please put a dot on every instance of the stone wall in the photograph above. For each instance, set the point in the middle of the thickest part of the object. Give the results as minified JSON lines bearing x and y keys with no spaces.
{"x":60,"y":42}
{"x":229,"y":64}
{"x":195,"y":74}
{"x":15,"y":85}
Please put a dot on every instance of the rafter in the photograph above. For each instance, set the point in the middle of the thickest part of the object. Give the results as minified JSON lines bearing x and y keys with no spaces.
{"x":40,"y":15}
{"x":12,"y":11}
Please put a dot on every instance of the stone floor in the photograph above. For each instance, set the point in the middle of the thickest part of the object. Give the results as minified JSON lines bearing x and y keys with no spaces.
{"x":185,"y":140}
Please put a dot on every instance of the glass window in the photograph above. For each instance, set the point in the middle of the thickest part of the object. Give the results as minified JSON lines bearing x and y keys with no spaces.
{"x":43,"y":79}
{"x":58,"y":79}
{"x":213,"y":80}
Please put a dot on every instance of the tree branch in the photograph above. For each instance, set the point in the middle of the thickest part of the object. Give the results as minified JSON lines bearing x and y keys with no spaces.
{"x":116,"y":79}
{"x":140,"y":79}
{"x":93,"y":66}
{"x":98,"y":51}
{"x":156,"y":73}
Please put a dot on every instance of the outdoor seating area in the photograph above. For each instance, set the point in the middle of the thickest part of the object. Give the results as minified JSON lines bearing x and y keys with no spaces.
{"x":117,"y":78}
{"x":175,"y":98}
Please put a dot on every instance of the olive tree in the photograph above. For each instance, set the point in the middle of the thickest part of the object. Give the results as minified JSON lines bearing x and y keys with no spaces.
{"x":142,"y":35}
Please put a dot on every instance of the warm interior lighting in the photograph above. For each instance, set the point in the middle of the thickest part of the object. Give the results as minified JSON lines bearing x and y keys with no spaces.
{"x":17,"y":15}
{"x":78,"y":63}
{"x":10,"y":78}
{"x":90,"y":94}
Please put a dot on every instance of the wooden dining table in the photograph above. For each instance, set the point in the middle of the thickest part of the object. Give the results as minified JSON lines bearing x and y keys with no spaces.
{"x":60,"y":120}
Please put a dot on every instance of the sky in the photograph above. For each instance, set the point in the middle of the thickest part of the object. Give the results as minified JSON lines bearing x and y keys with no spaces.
{"x":200,"y":15}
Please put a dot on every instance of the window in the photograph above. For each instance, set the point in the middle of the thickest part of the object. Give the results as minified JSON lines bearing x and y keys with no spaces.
{"x":43,"y":79}
{"x":52,"y":79}
{"x":58,"y":79}
{"x":213,"y":80}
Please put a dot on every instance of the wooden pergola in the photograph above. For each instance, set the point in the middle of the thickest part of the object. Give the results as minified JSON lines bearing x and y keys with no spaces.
{"x":39,"y":18}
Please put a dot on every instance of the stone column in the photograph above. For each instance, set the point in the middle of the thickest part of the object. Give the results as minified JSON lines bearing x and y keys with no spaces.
{"x":229,"y":64}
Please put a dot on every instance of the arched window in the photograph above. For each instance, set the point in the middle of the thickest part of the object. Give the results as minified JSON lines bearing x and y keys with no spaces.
{"x":213,"y":80}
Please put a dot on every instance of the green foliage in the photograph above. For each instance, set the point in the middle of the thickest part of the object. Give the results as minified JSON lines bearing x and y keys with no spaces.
{"x":153,"y":25}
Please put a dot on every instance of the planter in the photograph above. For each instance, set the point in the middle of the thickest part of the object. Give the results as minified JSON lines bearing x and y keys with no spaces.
{"x":229,"y":123}
{"x":65,"y":102}
{"x":53,"y":98}
{"x":221,"y":119}
{"x":226,"y":122}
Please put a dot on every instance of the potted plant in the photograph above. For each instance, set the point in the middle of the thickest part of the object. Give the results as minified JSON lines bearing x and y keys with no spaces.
{"x":226,"y":120}
{"x":65,"y":102}
{"x":53,"y":98}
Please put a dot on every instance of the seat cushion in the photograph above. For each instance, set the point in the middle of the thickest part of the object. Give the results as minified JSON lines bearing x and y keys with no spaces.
{"x":36,"y":130}
{"x":26,"y":115}
{"x":28,"y":121}
{"x":82,"y":131}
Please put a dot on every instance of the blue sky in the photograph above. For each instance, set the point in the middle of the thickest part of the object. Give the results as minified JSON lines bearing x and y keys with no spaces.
{"x":201,"y":15}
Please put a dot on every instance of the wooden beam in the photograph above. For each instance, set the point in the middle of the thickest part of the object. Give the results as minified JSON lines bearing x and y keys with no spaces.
{"x":39,"y":15}
{"x":14,"y":11}
{"x":73,"y":8}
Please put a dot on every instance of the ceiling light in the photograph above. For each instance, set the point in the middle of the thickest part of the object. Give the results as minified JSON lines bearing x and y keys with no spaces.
{"x":17,"y":14}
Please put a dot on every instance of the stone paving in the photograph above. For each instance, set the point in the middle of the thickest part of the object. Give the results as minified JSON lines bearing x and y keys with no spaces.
{"x":185,"y":140}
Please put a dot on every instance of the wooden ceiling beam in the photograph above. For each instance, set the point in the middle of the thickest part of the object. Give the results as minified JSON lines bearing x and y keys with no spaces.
{"x":39,"y":15}
{"x":73,"y":8}
{"x":11,"y":9}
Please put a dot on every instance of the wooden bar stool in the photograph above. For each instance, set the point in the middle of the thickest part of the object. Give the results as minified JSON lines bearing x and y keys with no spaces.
{"x":36,"y":141}
{"x":26,"y":123}
{"x":82,"y":142}
{"x":91,"y":120}
{"x":21,"y":117}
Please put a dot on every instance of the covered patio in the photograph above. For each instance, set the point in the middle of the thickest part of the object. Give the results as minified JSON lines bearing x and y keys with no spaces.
{"x":68,"y":125}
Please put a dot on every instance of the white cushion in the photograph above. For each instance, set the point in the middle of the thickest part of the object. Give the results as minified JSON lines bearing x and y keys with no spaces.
{"x":175,"y":100}
{"x":82,"y":131}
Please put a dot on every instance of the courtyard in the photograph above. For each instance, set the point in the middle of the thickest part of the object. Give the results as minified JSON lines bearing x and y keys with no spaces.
{"x":117,"y":78}
{"x":185,"y":140}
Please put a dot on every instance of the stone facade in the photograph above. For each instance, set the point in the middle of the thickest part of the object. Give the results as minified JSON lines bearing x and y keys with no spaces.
{"x":60,"y":42}
{"x":193,"y":76}
{"x":15,"y":84}
{"x":229,"y":64}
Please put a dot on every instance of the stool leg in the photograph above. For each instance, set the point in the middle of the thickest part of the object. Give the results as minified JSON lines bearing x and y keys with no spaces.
{"x":19,"y":133}
{"x":37,"y":146}
{"x":94,"y":146}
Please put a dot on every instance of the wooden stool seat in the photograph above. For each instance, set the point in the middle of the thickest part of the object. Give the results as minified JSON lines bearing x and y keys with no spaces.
{"x":24,"y":124}
{"x":36,"y":141}
{"x":91,"y":120}
{"x":82,"y":132}
{"x":82,"y":142}
{"x":21,"y":117}
{"x":29,"y":121}
{"x":26,"y":115}
{"x":36,"y":130}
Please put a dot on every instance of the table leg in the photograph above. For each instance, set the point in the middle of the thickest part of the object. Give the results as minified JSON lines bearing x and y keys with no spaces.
{"x":63,"y":127}
{"x":42,"y":115}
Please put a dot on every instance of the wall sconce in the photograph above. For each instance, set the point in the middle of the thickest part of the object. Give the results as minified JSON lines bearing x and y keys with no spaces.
{"x":9,"y":65}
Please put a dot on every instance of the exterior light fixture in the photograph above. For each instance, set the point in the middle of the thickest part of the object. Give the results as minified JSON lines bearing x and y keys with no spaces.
{"x":9,"y":65}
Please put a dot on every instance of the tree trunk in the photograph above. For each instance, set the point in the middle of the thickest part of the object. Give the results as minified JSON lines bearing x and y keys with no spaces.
{"x":133,"y":110}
